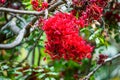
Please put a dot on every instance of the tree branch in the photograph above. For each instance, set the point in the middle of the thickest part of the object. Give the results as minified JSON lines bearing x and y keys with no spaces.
{"x":22,"y":33}
{"x":14,"y":28}
{"x":100,"y":65}
{"x":20,"y":18}
{"x":20,"y":11}
{"x":15,"y":42}
{"x":6,"y":25}
{"x":26,"y":30}
{"x":52,"y":7}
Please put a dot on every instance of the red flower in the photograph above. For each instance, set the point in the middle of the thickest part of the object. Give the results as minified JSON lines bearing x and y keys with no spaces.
{"x":102,"y":58}
{"x":63,"y":40}
{"x":36,"y":5}
{"x":2,"y":1}
{"x":94,"y":12}
{"x":79,"y":3}
{"x":44,"y":5}
{"x":92,"y":9}
{"x":83,"y":20}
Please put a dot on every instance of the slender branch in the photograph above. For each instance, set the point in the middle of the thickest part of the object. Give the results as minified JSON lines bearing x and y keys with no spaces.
{"x":26,"y":30}
{"x":6,"y":25}
{"x":15,"y":42}
{"x":20,"y":11}
{"x":52,"y":7}
{"x":22,"y":33}
{"x":100,"y":65}
{"x":14,"y":28}
{"x":39,"y":57}
{"x":46,"y":11}
{"x":20,"y":18}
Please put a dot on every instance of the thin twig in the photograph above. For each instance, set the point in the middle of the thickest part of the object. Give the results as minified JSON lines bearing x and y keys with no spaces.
{"x":20,"y":18}
{"x":14,"y":28}
{"x":46,"y":11}
{"x":20,"y":36}
{"x":16,"y":42}
{"x":26,"y":30}
{"x":5,"y":26}
{"x":52,"y":7}
{"x":20,"y":11}
{"x":39,"y":57}
{"x":100,"y":65}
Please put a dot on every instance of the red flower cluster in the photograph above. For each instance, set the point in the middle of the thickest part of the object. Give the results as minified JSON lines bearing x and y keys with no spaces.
{"x":113,"y":15}
{"x":94,"y":12}
{"x":44,"y":5}
{"x":89,"y":10}
{"x":2,"y":1}
{"x":36,"y":5}
{"x":101,"y":3}
{"x":63,"y":40}
{"x":79,"y":3}
{"x":102,"y":58}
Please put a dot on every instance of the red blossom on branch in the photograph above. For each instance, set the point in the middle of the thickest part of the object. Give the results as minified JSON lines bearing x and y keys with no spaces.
{"x":63,"y":40}
{"x":2,"y":1}
{"x":79,"y":3}
{"x":102,"y":58}
{"x":44,"y":5}
{"x":36,"y":5}
{"x":113,"y":16}
{"x":94,"y":12}
{"x":88,"y":10}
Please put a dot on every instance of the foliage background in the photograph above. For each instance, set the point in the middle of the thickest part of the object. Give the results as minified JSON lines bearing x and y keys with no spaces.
{"x":28,"y":61}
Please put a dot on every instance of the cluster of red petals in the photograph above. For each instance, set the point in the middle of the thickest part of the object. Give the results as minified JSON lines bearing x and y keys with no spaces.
{"x":94,"y":12}
{"x":89,"y":10}
{"x":2,"y":1}
{"x":63,"y":40}
{"x":36,"y":5}
{"x":101,"y":3}
{"x":113,"y":14}
{"x":102,"y":58}
{"x":79,"y":2}
{"x":44,"y":5}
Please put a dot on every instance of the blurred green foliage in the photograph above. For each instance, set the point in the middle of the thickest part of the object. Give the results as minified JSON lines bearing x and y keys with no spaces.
{"x":28,"y":61}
